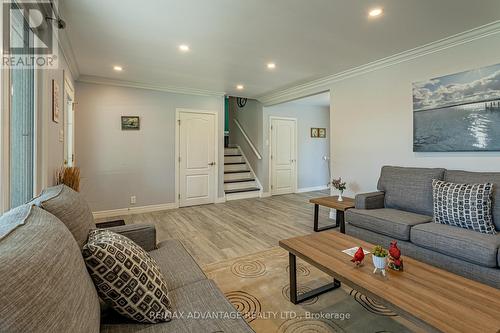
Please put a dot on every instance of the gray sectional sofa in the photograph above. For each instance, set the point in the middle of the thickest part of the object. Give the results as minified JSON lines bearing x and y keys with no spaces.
{"x":402,"y":210}
{"x":46,"y":287}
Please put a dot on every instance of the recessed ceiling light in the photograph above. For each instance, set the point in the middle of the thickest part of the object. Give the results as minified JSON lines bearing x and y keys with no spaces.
{"x":240,"y":87}
{"x":184,"y":48}
{"x":271,"y":65}
{"x":118,"y":68}
{"x":375,"y":12}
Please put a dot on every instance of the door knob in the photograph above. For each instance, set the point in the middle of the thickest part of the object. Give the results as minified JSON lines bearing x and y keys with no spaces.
{"x":211,"y":164}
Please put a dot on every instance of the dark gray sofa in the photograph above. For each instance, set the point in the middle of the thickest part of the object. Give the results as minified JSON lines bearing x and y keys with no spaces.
{"x":402,"y":210}
{"x":46,"y":287}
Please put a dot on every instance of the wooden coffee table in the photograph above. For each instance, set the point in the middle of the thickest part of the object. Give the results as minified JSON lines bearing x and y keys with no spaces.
{"x":334,"y":203}
{"x":430,"y":297}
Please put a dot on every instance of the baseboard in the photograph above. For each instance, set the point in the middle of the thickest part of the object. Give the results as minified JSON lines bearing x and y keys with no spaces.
{"x":134,"y":210}
{"x":220,"y":200}
{"x":265,"y":194}
{"x":311,"y":189}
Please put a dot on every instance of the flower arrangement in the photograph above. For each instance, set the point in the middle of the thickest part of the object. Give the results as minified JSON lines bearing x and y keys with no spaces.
{"x":339,"y":185}
{"x":379,"y":256}
{"x":379,"y":251}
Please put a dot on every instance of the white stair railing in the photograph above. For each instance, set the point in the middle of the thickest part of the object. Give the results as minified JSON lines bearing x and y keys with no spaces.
{"x":255,"y":151}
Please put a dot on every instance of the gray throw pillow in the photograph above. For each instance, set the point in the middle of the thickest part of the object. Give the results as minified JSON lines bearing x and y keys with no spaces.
{"x":127,"y":278}
{"x":466,"y":206}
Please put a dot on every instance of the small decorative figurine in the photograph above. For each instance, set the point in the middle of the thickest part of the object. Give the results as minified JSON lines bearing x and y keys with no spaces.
{"x":358,"y":257}
{"x":379,"y":259}
{"x":395,"y":260}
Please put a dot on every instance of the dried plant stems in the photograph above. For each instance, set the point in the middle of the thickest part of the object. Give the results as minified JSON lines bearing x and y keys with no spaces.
{"x":69,"y":176}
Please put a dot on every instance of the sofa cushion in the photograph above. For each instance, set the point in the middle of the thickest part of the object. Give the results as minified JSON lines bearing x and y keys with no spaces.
{"x":408,"y":189}
{"x":457,"y":176}
{"x":466,"y":206}
{"x":126,"y":277}
{"x":70,"y":207}
{"x":44,"y":284}
{"x":390,"y":222}
{"x":468,"y":245}
{"x":176,"y":264}
{"x":202,"y":297}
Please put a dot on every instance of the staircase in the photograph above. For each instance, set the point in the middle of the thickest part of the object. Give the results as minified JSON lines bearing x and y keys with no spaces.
{"x":239,"y":179}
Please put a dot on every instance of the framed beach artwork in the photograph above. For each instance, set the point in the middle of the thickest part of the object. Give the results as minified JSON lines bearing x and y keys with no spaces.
{"x":458,"y":112}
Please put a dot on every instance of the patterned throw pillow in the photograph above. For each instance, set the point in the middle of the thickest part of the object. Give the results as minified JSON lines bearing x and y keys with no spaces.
{"x":463,"y":205}
{"x":126,"y":277}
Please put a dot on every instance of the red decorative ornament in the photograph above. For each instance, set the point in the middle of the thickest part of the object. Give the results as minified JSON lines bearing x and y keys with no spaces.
{"x":358,"y":256}
{"x":395,"y":261}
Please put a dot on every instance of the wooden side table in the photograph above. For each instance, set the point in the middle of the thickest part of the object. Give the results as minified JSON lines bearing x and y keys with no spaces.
{"x":339,"y":206}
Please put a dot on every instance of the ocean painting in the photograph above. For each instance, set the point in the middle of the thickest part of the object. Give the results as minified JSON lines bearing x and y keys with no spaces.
{"x":459,"y":112}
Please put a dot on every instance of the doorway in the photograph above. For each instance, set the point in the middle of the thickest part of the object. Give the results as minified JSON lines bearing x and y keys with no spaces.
{"x":283,"y":155}
{"x":69,"y":124}
{"x":197,"y":153}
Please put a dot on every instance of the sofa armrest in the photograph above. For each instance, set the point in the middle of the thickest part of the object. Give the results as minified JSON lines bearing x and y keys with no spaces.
{"x":373,"y":200}
{"x":143,"y":234}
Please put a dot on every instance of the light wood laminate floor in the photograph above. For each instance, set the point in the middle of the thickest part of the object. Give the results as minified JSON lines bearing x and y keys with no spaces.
{"x":212,"y":233}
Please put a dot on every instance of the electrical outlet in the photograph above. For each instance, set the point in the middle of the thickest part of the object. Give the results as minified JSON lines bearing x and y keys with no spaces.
{"x":133,"y":200}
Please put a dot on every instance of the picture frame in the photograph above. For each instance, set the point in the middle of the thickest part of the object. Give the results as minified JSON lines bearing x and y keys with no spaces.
{"x":314,"y":132}
{"x":458,"y":112}
{"x":322,"y":133}
{"x":56,"y":107}
{"x":130,"y":123}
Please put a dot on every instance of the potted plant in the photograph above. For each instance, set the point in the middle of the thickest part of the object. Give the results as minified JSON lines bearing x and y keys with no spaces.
{"x":339,"y":185}
{"x":379,"y":256}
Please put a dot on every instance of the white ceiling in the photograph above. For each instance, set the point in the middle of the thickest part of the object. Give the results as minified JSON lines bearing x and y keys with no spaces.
{"x":231,"y":41}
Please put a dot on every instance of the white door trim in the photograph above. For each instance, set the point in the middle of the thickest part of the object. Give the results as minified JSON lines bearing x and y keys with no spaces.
{"x":270,"y":167}
{"x":178,"y":111}
{"x":69,"y":91}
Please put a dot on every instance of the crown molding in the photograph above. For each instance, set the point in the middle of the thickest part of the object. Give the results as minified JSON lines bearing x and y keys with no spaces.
{"x":138,"y":85}
{"x":68,"y":54}
{"x":323,"y":84}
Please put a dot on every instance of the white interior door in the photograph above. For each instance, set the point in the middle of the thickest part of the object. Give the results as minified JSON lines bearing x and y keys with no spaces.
{"x":283,"y":156}
{"x":197,"y":158}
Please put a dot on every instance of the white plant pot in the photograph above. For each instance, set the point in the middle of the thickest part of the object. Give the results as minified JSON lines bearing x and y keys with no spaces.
{"x":379,"y":263}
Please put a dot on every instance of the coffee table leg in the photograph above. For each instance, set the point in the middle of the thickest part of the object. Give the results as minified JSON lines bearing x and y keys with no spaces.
{"x":294,"y":297}
{"x":316,"y":217}
{"x":341,"y":221}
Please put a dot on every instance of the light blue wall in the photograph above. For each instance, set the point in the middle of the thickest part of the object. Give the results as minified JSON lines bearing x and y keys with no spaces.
{"x":312,"y":169}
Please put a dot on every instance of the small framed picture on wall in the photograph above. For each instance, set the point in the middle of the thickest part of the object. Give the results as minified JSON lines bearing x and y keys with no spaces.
{"x":56,"y":108}
{"x":131,"y":123}
{"x":314,"y":133}
{"x":322,"y":133}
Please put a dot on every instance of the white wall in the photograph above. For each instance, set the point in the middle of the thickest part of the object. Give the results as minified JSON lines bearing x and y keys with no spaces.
{"x":118,"y":164}
{"x":51,"y":156}
{"x":372,"y":121}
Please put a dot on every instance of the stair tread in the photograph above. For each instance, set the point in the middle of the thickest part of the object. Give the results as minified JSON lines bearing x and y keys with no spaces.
{"x":232,"y":155}
{"x":237,"y":171}
{"x":239,"y":180}
{"x":234,"y":163}
{"x":239,"y":190}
